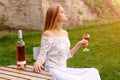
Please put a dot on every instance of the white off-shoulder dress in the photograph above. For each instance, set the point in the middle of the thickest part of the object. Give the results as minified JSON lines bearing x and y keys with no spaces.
{"x":55,"y":51}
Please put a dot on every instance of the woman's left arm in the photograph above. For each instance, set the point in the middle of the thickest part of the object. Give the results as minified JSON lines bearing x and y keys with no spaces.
{"x":77,"y":46}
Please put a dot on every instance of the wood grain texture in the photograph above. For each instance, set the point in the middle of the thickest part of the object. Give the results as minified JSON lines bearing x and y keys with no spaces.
{"x":11,"y":73}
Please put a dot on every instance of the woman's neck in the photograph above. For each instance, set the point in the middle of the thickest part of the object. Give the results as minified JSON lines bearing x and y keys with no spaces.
{"x":59,"y":27}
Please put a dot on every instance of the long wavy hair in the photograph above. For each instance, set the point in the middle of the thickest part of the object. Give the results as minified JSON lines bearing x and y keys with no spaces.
{"x":51,"y":17}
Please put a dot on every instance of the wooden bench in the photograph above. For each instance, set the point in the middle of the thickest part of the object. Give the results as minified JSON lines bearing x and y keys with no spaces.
{"x":11,"y":73}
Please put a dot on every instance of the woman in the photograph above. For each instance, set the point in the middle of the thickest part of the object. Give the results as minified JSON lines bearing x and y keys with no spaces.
{"x":55,"y":49}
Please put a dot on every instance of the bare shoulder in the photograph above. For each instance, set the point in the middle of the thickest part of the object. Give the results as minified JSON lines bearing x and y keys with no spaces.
{"x":47,"y":33}
{"x":65,"y":32}
{"x":50,"y":33}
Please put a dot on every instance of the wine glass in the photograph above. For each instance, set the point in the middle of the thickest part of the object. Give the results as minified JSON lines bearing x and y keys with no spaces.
{"x":86,"y":37}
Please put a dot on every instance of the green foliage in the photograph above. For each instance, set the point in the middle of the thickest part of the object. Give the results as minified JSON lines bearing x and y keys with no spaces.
{"x":104,"y":48}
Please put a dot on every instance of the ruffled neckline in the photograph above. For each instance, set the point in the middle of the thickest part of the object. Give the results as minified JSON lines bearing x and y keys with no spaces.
{"x":55,"y":37}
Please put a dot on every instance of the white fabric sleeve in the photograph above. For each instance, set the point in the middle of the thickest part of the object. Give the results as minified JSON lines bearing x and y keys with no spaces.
{"x":44,"y":48}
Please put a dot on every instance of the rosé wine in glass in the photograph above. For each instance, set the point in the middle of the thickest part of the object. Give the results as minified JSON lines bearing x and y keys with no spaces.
{"x":86,"y":37}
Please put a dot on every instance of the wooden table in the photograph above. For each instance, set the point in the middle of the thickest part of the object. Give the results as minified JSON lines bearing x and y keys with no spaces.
{"x":11,"y":73}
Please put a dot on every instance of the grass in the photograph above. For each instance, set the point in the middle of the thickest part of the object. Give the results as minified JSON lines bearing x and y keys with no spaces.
{"x":104,"y":48}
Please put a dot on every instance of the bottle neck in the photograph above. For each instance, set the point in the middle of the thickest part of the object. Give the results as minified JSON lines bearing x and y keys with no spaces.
{"x":20,"y":34}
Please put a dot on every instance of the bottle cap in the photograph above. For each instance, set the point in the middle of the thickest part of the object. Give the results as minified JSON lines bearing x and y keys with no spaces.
{"x":19,"y":33}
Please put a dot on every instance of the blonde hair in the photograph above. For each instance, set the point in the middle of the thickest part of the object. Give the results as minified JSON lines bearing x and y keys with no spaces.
{"x":51,"y":17}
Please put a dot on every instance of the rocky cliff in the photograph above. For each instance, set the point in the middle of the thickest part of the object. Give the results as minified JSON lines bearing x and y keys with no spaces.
{"x":30,"y":13}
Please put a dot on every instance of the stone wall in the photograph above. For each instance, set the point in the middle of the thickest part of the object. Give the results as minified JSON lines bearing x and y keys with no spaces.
{"x":73,"y":8}
{"x":30,"y":13}
{"x":22,"y":13}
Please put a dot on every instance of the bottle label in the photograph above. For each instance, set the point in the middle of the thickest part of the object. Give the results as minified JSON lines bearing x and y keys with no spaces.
{"x":21,"y":62}
{"x":21,"y":65}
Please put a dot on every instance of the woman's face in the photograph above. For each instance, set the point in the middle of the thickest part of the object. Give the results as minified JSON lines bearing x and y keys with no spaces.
{"x":62,"y":15}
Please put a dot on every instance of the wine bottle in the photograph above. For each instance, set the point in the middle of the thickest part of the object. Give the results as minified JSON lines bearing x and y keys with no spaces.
{"x":20,"y":52}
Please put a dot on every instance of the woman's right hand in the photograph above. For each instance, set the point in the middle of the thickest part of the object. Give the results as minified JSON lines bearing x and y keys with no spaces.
{"x":38,"y":67}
